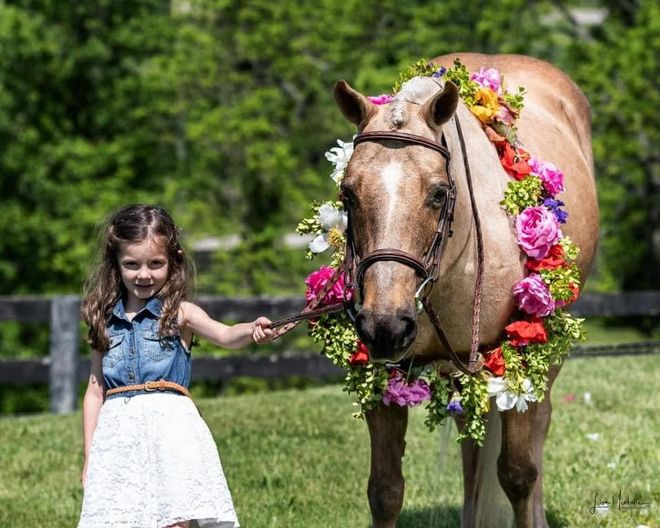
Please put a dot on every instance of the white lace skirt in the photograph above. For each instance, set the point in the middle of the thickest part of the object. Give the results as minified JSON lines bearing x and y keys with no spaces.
{"x":154,"y":463}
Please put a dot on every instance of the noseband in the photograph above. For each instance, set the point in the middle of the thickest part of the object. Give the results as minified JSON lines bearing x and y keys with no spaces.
{"x":426,"y":268}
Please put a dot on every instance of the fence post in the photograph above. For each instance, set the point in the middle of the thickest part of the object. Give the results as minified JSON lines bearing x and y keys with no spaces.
{"x":64,"y":353}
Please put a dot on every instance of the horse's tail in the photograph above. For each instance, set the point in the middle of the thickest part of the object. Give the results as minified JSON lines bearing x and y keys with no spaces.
{"x":492,"y":508}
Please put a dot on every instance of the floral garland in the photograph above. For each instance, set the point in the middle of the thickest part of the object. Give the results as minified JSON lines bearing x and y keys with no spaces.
{"x":540,"y":333}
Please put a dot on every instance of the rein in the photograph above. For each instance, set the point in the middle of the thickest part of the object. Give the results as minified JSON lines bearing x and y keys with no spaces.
{"x":427,"y":269}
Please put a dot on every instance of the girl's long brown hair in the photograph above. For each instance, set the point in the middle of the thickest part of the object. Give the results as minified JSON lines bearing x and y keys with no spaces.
{"x":103,"y":288}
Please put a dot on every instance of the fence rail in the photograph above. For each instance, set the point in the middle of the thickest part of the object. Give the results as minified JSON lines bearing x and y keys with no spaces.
{"x":64,"y":369}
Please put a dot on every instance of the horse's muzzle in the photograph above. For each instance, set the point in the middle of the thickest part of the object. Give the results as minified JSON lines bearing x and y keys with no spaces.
{"x":387,"y":336}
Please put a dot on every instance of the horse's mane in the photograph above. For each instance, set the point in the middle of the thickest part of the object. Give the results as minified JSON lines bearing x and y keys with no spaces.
{"x":415,"y":90}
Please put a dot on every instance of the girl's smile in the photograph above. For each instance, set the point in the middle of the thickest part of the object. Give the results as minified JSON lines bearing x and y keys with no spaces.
{"x":144,"y":269}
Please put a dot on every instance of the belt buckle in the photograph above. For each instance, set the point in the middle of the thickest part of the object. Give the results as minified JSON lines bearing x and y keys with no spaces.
{"x":151,"y":386}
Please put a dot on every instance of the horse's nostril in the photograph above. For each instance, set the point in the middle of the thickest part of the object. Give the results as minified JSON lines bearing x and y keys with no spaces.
{"x":409,"y":327}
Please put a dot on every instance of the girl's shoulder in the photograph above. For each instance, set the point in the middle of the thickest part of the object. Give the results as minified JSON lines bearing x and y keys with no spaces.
{"x":187,"y":311}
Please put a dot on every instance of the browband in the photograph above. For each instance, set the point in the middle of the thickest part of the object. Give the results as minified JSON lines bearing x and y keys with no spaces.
{"x":402,"y":136}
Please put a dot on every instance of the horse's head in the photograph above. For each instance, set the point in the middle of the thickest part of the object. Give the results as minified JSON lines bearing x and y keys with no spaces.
{"x":395,"y":192}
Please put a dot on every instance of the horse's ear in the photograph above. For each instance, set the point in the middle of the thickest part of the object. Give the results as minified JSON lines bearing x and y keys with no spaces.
{"x":355,"y":106}
{"x":441,"y":107}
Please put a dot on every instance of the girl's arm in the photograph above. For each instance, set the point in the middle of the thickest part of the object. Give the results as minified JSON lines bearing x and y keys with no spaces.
{"x":92,"y":402}
{"x":236,"y":336}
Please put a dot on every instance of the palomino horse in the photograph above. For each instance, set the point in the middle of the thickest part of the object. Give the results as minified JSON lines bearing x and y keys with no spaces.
{"x":390,"y":187}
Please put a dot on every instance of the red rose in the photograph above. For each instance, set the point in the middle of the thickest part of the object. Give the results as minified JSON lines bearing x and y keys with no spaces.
{"x":360,"y":356}
{"x":494,"y":361}
{"x":523,"y":333}
{"x":514,"y":160}
{"x":553,"y":260}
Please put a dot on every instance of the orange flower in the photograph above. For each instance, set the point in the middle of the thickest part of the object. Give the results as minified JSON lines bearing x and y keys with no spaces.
{"x":494,"y":361}
{"x":513,"y":160}
{"x":360,"y":356}
{"x":576,"y":292}
{"x":553,"y":260}
{"x":523,"y":333}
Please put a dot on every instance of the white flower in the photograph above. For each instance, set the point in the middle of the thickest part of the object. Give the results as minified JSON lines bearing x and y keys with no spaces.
{"x":506,"y":399}
{"x":587,"y":398}
{"x":594,"y":437}
{"x":330,"y":218}
{"x":339,"y":156}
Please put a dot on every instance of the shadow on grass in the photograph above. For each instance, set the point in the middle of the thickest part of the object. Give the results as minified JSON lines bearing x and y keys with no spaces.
{"x":436,"y":517}
{"x":450,"y":517}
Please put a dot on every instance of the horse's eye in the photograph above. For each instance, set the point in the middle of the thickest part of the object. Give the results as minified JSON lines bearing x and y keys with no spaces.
{"x":438,"y":198}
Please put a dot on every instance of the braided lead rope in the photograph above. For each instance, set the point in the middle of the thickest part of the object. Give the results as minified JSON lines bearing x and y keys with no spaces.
{"x":478,"y":287}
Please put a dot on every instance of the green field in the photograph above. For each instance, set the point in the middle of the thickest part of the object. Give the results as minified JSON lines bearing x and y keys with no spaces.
{"x":297,"y":458}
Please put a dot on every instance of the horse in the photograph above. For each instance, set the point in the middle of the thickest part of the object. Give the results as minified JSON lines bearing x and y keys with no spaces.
{"x":390,"y":188}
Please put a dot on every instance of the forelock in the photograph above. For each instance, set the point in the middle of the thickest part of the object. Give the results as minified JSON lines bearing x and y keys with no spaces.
{"x":416,"y":90}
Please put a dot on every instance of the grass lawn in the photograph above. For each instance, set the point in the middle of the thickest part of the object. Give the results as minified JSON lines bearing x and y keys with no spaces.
{"x":297,"y":458}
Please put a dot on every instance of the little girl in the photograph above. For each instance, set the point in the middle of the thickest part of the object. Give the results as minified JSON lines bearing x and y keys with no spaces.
{"x":150,"y":460}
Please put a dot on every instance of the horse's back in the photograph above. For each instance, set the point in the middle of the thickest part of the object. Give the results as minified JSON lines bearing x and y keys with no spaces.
{"x":555,"y":125}
{"x":547,"y":87}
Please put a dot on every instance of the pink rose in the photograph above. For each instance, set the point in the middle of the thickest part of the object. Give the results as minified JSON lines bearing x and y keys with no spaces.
{"x":537,"y":230}
{"x":318,"y":279}
{"x":533,"y":296}
{"x":380,"y":99}
{"x":489,"y":78}
{"x":551,"y":176}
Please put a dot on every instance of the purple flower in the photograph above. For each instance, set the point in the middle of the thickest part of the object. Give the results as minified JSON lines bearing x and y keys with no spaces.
{"x":537,"y":231}
{"x":406,"y":394}
{"x":551,"y":176}
{"x":455,"y":407}
{"x":554,"y":206}
{"x":533,"y":296}
{"x":441,"y":71}
{"x":488,"y":78}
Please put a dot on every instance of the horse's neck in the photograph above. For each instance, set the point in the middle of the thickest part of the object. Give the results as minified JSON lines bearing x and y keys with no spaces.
{"x":455,"y":291}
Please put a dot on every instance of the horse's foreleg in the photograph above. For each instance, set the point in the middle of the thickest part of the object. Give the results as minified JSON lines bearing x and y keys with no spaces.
{"x":516,"y":466}
{"x":520,"y":465}
{"x":543,"y":414}
{"x":387,"y":430}
{"x":542,"y":425}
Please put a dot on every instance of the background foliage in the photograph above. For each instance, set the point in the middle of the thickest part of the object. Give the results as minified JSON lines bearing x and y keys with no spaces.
{"x":221,"y":110}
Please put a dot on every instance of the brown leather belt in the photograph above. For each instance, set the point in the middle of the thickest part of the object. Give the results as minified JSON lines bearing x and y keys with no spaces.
{"x":150,"y":386}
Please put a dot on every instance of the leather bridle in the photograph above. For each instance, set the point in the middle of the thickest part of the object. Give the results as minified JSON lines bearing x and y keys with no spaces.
{"x":426,"y":268}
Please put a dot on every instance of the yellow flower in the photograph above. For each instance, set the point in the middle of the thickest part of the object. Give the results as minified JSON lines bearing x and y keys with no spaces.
{"x":483,"y":114}
{"x":486,"y":105}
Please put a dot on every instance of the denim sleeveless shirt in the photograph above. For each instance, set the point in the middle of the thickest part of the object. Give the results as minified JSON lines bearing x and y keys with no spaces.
{"x":137,"y":353}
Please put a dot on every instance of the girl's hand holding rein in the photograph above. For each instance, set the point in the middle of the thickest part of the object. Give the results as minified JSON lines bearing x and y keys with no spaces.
{"x":262,"y":332}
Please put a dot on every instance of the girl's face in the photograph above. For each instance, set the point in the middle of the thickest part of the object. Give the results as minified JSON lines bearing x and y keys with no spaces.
{"x":144,"y":268}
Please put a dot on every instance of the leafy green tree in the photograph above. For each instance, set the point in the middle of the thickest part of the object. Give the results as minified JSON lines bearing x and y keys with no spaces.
{"x":221,"y":111}
{"x":619,"y":71}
